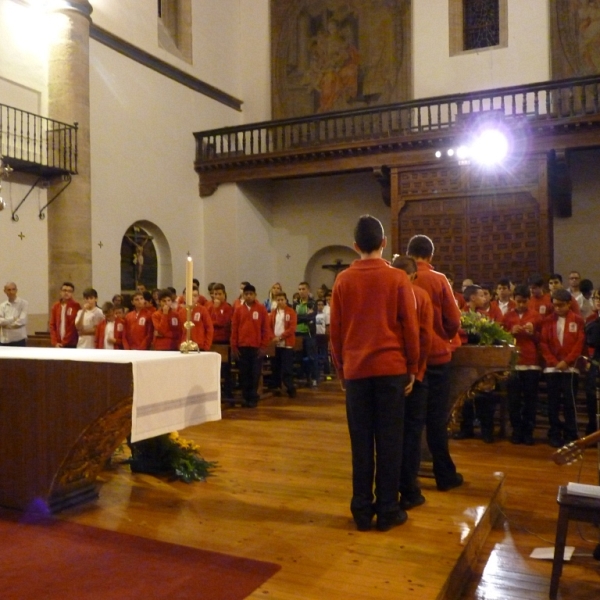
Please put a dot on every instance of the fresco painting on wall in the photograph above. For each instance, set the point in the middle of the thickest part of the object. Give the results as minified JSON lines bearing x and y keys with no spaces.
{"x":575,"y":38}
{"x":330,"y":55}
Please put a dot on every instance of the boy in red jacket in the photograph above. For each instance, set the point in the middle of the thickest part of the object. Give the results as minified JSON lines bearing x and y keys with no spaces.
{"x":522,"y":386}
{"x":283,"y":324}
{"x":109,"y":333}
{"x":375,"y":349}
{"x":202,"y":331}
{"x":63,"y":333}
{"x":562,"y":342}
{"x":250,"y":337}
{"x":167,"y":324}
{"x":139,"y":330}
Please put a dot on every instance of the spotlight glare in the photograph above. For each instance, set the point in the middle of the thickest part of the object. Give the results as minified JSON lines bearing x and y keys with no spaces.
{"x":450,"y":152}
{"x":462,"y":152}
{"x":438,"y":154}
{"x":490,"y":148}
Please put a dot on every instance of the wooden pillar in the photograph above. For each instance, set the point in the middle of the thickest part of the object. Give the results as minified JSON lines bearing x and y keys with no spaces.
{"x":70,"y":216}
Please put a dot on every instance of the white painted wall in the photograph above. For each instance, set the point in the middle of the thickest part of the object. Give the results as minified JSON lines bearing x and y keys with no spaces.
{"x":576,"y":237}
{"x":525,"y":60}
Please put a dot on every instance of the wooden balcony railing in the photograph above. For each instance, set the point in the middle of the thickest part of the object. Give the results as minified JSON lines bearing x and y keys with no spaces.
{"x":35,"y":144}
{"x":552,"y":102}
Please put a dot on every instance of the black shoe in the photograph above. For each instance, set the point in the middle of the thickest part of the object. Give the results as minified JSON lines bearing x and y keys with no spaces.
{"x":517,"y":438}
{"x":407,"y":503}
{"x":250,"y":404}
{"x":464,"y":435}
{"x":528,"y":440}
{"x":292,"y":393}
{"x":488,"y":438}
{"x":457,"y":481}
{"x":363,"y":524}
{"x":556,"y":442}
{"x":386,"y":523}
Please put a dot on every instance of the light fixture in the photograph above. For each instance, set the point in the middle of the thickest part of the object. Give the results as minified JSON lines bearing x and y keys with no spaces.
{"x":490,"y":147}
{"x":450,"y":152}
{"x":438,"y":154}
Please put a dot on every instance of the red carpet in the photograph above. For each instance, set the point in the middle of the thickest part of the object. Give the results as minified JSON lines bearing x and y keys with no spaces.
{"x":60,"y":560}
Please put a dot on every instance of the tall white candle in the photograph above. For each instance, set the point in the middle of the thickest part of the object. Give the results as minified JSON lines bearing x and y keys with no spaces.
{"x":189,"y":280}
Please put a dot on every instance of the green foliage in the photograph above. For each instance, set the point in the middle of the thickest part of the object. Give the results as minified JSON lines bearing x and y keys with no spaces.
{"x":486,"y":331}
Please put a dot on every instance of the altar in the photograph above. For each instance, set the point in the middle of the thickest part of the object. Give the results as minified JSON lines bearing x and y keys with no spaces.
{"x":63,"y":412}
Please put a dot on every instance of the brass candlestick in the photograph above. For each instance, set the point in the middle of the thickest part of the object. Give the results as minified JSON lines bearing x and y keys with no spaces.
{"x":189,"y":345}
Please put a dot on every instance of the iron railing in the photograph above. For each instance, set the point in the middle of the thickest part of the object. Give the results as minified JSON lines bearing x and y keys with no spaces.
{"x":33,"y":143}
{"x":550,"y":100}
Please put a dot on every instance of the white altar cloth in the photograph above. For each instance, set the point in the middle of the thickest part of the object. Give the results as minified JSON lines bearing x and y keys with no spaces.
{"x":171,"y":390}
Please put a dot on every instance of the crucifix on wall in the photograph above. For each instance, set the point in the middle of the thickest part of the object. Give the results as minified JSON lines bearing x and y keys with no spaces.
{"x":337,"y":267}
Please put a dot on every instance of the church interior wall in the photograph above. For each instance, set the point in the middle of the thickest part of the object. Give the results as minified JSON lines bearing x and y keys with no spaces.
{"x":312,"y":214}
{"x":526,"y":59}
{"x":575,"y":237}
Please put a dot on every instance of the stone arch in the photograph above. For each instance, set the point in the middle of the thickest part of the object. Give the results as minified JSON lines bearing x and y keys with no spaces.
{"x":317,"y":275}
{"x":148,"y":240}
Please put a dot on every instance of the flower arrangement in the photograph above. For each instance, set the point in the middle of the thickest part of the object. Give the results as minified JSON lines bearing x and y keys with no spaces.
{"x":483,"y":331}
{"x":170,"y":455}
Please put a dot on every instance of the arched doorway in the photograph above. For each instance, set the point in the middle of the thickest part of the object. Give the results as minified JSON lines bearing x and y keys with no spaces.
{"x":326,"y":263}
{"x":145,"y":258}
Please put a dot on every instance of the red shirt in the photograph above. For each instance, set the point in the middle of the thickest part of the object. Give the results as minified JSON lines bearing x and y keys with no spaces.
{"x":290,"y":321}
{"x":167,"y":330}
{"x":139,"y":330}
{"x":511,"y":305}
{"x":528,"y":343}
{"x":117,"y":334}
{"x":425,"y":315}
{"x":70,"y":338}
{"x":221,"y":318}
{"x":573,"y":340}
{"x":250,"y":327}
{"x":493,"y":313}
{"x":202,"y":331}
{"x":446,"y":315}
{"x":374,"y":328}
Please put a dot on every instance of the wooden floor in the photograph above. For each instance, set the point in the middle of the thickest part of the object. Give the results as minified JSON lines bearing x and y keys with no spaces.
{"x":281,"y":493}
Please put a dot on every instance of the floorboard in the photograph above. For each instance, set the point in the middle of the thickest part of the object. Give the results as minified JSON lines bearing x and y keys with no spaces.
{"x":281,"y":493}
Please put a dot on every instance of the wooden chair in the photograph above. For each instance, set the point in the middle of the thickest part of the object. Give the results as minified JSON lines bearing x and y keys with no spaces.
{"x":571,"y":508}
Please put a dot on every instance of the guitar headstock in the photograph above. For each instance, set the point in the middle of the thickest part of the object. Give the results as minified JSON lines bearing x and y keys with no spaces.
{"x":569,"y":454}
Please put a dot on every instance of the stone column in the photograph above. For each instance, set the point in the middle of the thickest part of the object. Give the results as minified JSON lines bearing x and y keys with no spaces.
{"x":70,"y":215}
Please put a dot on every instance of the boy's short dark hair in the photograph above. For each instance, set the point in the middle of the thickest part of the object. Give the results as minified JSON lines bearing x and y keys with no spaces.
{"x":536,"y":280}
{"x":420,"y":246}
{"x":163,"y":294}
{"x":69,"y":284}
{"x":556,"y":276}
{"x":504,"y":281}
{"x":470,"y":290}
{"x":148,"y":296}
{"x":196,"y":282}
{"x":586,"y":286}
{"x":249,"y":288}
{"x":522,"y":290}
{"x":137,"y":294}
{"x":562,"y":295}
{"x":172,"y":290}
{"x":278,"y":294}
{"x":305,"y":283}
{"x":220,"y":286}
{"x":107,"y":307}
{"x":368,"y":234}
{"x":405,"y":263}
{"x":90,"y":293}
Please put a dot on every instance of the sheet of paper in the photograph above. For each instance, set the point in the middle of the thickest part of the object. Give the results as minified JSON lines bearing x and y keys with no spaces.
{"x":548,"y":553}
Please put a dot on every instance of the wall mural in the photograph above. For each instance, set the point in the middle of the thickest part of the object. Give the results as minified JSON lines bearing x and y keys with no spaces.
{"x":330,"y":55}
{"x":575,"y":37}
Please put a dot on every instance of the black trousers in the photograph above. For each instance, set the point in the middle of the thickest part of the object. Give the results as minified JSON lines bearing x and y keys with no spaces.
{"x":562,"y":390}
{"x":250,"y":366}
{"x":522,"y":391}
{"x":437,"y":379}
{"x":283,"y":368}
{"x":375,"y":411}
{"x":415,"y":414}
{"x":20,"y":343}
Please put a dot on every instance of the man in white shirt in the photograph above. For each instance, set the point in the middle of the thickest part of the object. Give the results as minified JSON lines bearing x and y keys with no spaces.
{"x":13,"y":318}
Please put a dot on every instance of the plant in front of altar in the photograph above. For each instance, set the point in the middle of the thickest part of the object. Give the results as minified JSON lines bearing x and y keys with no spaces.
{"x":483,"y":331}
{"x":186,"y":460}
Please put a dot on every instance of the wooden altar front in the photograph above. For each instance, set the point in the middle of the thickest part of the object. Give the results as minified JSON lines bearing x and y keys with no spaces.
{"x":64,"y":412}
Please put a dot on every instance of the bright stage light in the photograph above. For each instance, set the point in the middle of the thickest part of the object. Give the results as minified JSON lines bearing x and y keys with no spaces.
{"x":490,"y":148}
{"x":438,"y":154}
{"x":463,"y":152}
{"x":450,"y":152}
